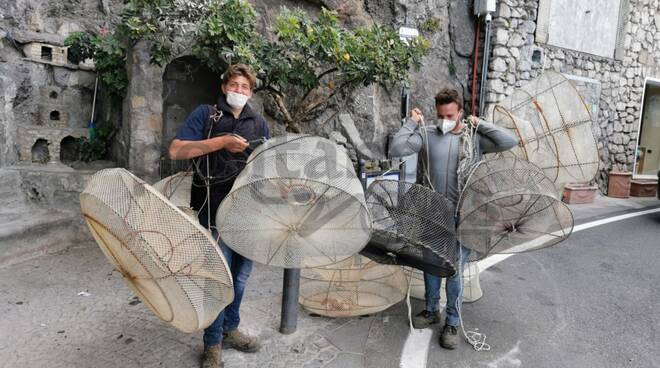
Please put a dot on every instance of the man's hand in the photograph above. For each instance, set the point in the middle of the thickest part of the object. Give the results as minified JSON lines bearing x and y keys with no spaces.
{"x":234,"y":143}
{"x":416,"y":115}
{"x":473,"y":120}
{"x":185,"y":150}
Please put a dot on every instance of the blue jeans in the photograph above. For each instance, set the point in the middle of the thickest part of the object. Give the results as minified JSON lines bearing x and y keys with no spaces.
{"x":228,"y":319}
{"x":453,"y":289}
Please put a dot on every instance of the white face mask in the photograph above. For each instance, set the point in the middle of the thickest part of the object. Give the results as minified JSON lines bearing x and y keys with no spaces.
{"x":236,"y":100}
{"x":446,"y":125}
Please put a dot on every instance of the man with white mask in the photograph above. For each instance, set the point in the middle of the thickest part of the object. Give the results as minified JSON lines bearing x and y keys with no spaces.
{"x":445,"y":156}
{"x":219,"y":140}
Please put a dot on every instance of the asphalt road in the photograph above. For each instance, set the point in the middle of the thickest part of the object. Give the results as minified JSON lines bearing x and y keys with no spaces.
{"x":593,"y":301}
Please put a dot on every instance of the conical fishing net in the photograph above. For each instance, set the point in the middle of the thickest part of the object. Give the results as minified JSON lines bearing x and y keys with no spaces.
{"x":510,"y":206}
{"x":176,"y":188}
{"x":554,"y":127}
{"x":353,"y":287}
{"x":165,"y":257}
{"x":298,"y":203}
{"x":412,"y":226}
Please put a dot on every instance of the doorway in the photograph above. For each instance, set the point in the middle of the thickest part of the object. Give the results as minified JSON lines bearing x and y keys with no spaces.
{"x":647,"y":152}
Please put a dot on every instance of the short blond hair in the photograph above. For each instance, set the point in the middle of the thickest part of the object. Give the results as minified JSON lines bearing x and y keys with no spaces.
{"x":241,"y":70}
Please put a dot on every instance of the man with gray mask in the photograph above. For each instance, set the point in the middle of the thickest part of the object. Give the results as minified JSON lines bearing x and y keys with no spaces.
{"x":217,"y":138}
{"x":444,"y":157}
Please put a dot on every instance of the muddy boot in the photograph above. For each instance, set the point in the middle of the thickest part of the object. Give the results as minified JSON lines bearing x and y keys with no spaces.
{"x":425,"y":318}
{"x":240,"y":341}
{"x":449,"y":337}
{"x":212,"y":357}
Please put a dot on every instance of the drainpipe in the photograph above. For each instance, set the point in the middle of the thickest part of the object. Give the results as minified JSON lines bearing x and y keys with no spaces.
{"x":484,"y":67}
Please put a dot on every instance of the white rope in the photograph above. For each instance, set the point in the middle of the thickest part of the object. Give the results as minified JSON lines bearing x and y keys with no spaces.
{"x":426,"y":165}
{"x":408,"y":300}
{"x":474,"y":338}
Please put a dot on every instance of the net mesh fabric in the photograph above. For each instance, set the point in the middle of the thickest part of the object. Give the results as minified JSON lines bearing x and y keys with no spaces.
{"x":353,"y":287}
{"x":554,"y":128}
{"x":166,"y":257}
{"x":510,"y":206}
{"x":176,"y":188}
{"x":412,"y":226}
{"x":298,"y":203}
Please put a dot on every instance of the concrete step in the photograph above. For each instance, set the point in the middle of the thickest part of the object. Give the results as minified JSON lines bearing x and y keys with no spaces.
{"x":28,"y":232}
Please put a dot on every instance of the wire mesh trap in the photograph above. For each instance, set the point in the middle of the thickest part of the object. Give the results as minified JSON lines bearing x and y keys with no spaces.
{"x":412,"y":226}
{"x":510,"y":206}
{"x":176,"y":188}
{"x":165,"y":257}
{"x":353,"y":287}
{"x":554,"y":128}
{"x":298,"y":203}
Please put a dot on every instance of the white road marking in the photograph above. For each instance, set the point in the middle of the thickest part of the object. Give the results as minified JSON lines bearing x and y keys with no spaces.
{"x":508,"y":360}
{"x":416,"y":349}
{"x":490,"y":261}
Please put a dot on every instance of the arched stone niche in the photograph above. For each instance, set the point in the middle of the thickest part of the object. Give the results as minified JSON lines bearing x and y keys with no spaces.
{"x":40,"y":152}
{"x":187,"y":83}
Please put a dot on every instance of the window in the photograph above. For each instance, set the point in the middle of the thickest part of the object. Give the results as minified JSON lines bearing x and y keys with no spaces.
{"x":593,"y":27}
{"x":46,"y":53}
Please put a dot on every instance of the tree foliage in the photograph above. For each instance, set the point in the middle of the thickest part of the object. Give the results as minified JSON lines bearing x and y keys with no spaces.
{"x":309,"y":63}
{"x":109,"y":54}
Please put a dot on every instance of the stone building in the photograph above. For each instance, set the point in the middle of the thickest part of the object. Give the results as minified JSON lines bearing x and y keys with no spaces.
{"x":610,"y":46}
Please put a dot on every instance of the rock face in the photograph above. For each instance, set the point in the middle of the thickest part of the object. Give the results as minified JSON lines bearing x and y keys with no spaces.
{"x":146,"y":119}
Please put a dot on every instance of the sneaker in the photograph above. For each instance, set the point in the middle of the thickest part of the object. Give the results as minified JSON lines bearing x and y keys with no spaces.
{"x":212,"y":357}
{"x":240,"y":341}
{"x":426,"y":318}
{"x":449,"y":337}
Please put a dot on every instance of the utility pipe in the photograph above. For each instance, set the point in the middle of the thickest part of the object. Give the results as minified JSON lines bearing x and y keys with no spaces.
{"x":484,"y":67}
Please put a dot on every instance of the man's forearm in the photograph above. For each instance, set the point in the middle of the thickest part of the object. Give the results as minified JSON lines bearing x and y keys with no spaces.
{"x":406,"y":141}
{"x":185,"y":150}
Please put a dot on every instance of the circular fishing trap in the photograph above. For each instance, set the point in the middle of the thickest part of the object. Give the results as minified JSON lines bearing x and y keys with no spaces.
{"x":412,"y":226}
{"x":510,"y":206}
{"x":298,"y":203}
{"x":554,"y":128}
{"x":176,"y":188}
{"x":170,"y":261}
{"x":353,"y":287}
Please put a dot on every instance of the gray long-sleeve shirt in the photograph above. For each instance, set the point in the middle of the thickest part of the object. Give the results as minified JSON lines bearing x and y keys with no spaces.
{"x":443,"y":151}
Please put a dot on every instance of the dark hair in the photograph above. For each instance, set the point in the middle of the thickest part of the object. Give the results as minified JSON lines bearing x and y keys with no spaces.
{"x":240,"y":70}
{"x":447,"y":96}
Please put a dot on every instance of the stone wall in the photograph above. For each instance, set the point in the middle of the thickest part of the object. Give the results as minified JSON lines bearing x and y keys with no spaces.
{"x":373,"y":113}
{"x":517,"y":58}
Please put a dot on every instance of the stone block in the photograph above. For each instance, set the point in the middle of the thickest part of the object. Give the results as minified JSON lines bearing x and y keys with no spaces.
{"x":501,"y":37}
{"x":516,"y":40}
{"x":504,"y":11}
{"x":496,"y":85}
{"x":528,"y":27}
{"x":498,"y":65}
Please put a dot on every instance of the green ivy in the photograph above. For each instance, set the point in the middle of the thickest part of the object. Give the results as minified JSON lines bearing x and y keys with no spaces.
{"x":109,"y":55}
{"x":80,"y":47}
